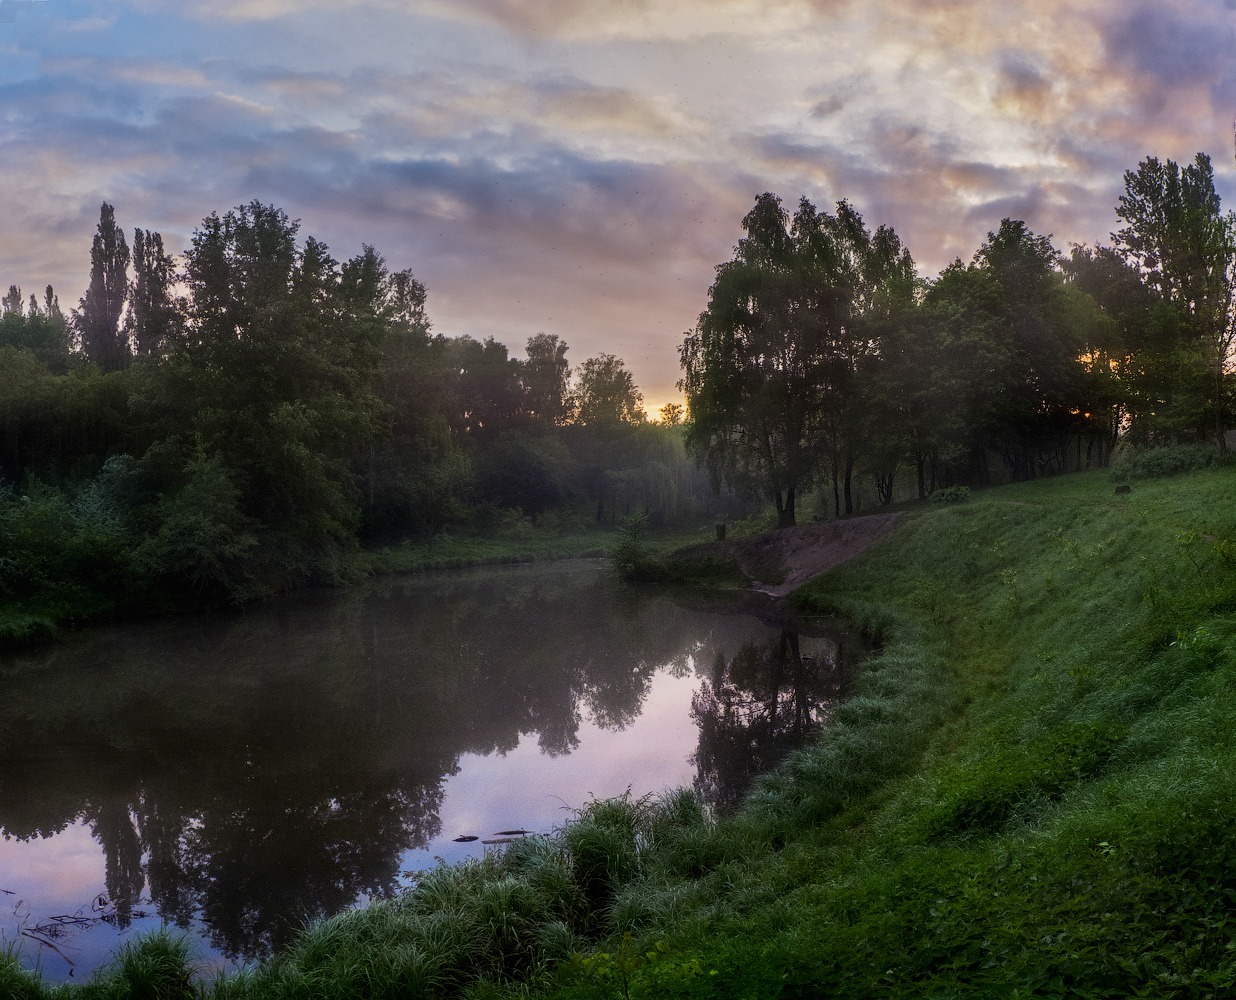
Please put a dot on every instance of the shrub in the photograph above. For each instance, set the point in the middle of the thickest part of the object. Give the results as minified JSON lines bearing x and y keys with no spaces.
{"x":629,"y":557}
{"x":1154,"y":463}
{"x":951,"y":494}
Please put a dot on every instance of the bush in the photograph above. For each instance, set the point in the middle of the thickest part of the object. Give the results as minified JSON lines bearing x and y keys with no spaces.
{"x":1154,"y":463}
{"x":951,"y":494}
{"x":628,"y":557}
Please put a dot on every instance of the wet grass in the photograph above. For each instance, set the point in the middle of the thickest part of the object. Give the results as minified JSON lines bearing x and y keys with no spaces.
{"x":1030,"y":794}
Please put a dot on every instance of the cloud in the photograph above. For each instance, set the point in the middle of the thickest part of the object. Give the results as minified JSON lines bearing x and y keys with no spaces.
{"x":597,"y":20}
{"x":580,"y":166}
{"x":1167,"y":46}
{"x":1023,"y":86}
{"x":259,"y":10}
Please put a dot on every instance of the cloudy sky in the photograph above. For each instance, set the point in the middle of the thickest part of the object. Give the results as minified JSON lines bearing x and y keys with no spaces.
{"x":580,"y":166}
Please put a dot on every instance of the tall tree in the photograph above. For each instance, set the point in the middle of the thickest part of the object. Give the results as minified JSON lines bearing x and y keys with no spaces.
{"x":752,"y":370}
{"x":11,"y":303}
{"x":488,"y":395}
{"x":771,"y":369}
{"x":99,"y":313}
{"x":546,"y":375}
{"x":154,"y":317}
{"x":272,"y":390}
{"x":606,"y":394}
{"x":1176,"y":234}
{"x":876,"y":276}
{"x":671,"y":414}
{"x":1129,"y":356}
{"x":51,"y":305}
{"x":1007,"y":375}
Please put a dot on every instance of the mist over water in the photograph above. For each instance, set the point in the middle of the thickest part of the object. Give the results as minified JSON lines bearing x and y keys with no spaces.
{"x":238,"y":775}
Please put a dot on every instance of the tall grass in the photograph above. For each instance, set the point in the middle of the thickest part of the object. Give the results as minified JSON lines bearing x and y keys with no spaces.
{"x":1031,"y":793}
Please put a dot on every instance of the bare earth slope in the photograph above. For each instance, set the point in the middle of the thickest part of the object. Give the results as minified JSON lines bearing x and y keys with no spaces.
{"x":781,"y":561}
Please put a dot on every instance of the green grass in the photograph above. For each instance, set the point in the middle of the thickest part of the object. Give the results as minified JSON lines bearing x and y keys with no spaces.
{"x":1031,"y":794}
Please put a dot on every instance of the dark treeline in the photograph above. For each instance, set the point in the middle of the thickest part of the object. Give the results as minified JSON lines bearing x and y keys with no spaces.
{"x":235,"y":423}
{"x":823,"y":360}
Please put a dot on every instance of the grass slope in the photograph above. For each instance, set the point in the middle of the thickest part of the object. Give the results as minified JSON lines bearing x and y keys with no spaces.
{"x":1034,"y":793}
{"x":1031,"y":794}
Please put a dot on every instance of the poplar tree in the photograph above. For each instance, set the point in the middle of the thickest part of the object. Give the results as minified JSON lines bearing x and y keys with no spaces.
{"x":98,"y":316}
{"x":153,"y":317}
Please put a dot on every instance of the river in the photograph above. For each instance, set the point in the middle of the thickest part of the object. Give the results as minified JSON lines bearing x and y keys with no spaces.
{"x":236,"y":775}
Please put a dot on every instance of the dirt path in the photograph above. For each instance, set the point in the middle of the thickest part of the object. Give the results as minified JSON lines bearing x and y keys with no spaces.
{"x":782,"y":561}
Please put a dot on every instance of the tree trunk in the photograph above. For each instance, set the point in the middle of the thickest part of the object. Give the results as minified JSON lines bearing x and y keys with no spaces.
{"x":1221,"y":440}
{"x":785,"y":512}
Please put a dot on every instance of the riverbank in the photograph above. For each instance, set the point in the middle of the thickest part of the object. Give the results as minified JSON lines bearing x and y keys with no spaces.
{"x":520,"y":542}
{"x":779,"y":562}
{"x":512,"y":542}
{"x":1029,"y":794}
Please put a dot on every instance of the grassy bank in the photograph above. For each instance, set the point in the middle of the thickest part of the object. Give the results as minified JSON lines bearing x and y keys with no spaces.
{"x":519,"y":542}
{"x":1030,"y":794}
{"x":61,"y":606}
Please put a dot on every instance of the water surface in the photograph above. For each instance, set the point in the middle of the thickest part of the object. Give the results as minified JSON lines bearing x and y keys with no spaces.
{"x":237,"y":775}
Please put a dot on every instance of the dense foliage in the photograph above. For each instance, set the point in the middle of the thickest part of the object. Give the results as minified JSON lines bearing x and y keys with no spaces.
{"x":233,"y":427}
{"x":821,"y":357}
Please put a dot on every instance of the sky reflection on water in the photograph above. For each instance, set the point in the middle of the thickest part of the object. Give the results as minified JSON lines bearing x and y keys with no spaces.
{"x":236,"y":775}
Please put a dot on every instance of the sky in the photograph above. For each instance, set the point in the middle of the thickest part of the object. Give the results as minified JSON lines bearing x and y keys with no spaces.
{"x":580,"y":167}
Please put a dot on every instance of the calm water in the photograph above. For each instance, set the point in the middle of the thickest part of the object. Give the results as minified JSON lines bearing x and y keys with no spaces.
{"x":238,"y":775}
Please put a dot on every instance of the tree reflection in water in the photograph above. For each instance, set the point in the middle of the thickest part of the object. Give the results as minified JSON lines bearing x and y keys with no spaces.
{"x":260,"y":770}
{"x":759,"y":705}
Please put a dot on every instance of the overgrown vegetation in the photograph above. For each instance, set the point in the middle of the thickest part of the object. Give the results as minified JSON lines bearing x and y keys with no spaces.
{"x":1028,"y":795}
{"x":1165,"y":460}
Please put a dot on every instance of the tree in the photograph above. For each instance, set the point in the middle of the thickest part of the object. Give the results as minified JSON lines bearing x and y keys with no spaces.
{"x":671,"y":414}
{"x":154,"y":315}
{"x":546,"y":376}
{"x":531,"y":472}
{"x":51,"y":305}
{"x":99,"y":313}
{"x":771,"y":369}
{"x":271,"y":393}
{"x":1127,"y":367}
{"x":41,"y":331}
{"x":1039,"y":391}
{"x":606,"y":394}
{"x":11,"y":304}
{"x":488,"y":394}
{"x":752,"y":371}
{"x":877,"y":276}
{"x":417,"y":473}
{"x":1185,"y":249}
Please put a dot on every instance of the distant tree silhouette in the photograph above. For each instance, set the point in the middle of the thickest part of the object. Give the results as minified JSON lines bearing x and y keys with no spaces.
{"x":98,"y":316}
